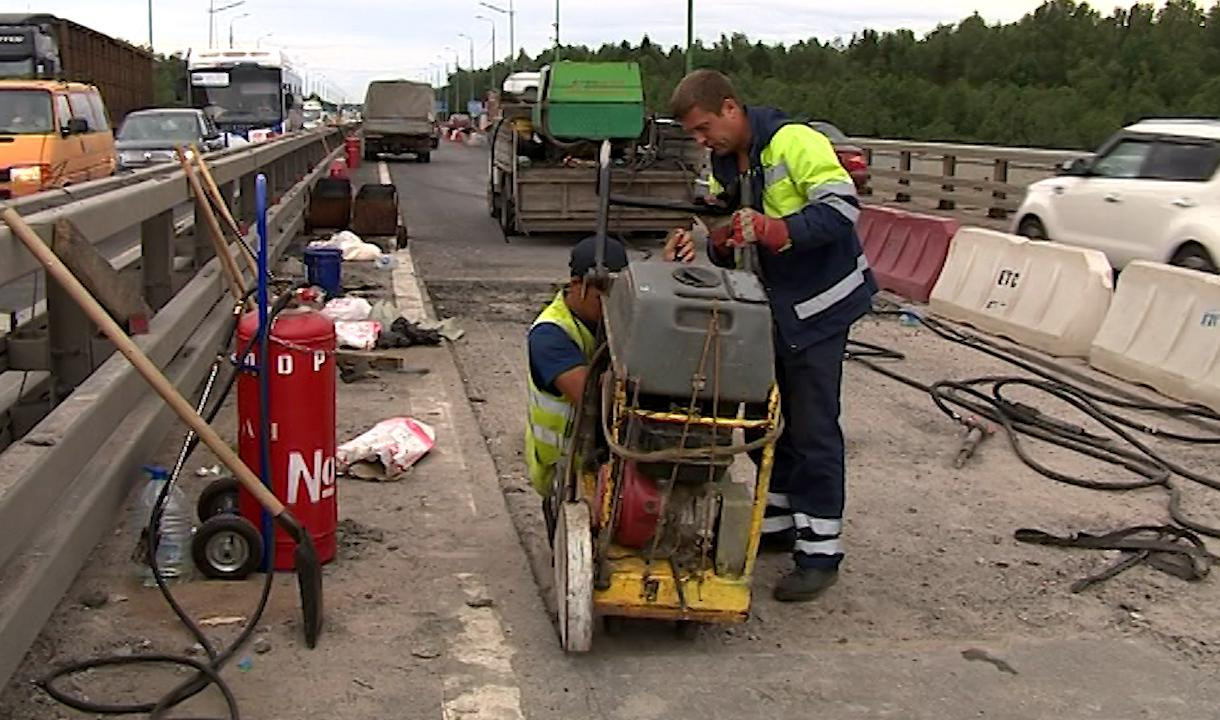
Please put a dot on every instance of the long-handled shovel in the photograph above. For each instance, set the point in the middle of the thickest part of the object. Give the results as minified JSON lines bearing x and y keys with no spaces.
{"x":209,"y":184}
{"x":221,"y":246}
{"x":308,"y":569}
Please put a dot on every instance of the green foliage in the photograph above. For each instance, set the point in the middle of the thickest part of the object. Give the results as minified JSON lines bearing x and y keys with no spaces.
{"x":169,"y":81}
{"x":1064,"y":75}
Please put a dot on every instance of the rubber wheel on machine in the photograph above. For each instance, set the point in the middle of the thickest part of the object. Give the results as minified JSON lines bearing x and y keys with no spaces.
{"x":425,"y":157}
{"x":219,"y":497}
{"x":573,"y":559}
{"x":227,"y":547}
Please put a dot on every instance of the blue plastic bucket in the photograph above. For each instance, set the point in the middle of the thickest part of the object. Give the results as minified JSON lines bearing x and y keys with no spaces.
{"x":324,"y":268}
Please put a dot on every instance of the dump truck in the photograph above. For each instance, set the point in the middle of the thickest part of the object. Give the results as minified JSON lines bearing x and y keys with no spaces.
{"x":543,"y":167}
{"x":399,"y":118}
{"x":45,"y":47}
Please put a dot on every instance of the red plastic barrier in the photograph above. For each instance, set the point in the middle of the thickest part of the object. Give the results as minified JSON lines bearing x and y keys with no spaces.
{"x":905,"y":250}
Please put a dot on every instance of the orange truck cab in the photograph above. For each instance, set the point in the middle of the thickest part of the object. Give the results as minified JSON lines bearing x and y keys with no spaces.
{"x":52,"y":134}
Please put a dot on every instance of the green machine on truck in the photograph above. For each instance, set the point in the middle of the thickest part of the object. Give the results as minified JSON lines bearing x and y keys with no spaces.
{"x":544,"y":151}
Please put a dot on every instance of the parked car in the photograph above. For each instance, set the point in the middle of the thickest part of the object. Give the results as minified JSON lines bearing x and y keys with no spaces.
{"x":148,"y":137}
{"x":851,"y":157}
{"x":1151,"y":192}
{"x":52,"y":134}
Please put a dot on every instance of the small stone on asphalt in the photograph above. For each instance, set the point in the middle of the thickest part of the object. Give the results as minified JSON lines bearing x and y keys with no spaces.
{"x":262,"y":645}
{"x":480,"y":602}
{"x":94,"y":599}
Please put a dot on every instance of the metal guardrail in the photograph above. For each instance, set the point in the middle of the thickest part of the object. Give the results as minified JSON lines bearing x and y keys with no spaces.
{"x":986,"y":177}
{"x":63,"y":484}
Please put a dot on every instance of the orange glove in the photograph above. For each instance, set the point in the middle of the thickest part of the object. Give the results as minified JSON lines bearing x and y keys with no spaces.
{"x":751,"y":226}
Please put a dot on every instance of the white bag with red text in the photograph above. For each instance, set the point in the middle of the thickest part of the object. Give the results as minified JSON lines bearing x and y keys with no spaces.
{"x":387,"y":450}
{"x":358,"y":335}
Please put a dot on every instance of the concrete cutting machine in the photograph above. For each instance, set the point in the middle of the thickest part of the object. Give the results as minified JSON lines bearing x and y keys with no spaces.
{"x":645,"y":518}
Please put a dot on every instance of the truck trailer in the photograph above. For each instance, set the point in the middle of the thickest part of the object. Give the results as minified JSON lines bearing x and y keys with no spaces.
{"x":40,"y":46}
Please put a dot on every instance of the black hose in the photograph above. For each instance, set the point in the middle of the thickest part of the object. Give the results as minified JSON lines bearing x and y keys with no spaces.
{"x":986,"y":397}
{"x":208,"y":673}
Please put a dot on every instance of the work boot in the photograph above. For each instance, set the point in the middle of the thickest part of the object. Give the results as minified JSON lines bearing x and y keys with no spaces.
{"x":777,"y":542}
{"x":804,"y":584}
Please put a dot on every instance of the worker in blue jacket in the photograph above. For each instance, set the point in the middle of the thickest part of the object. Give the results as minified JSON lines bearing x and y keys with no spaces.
{"x":797,"y":213}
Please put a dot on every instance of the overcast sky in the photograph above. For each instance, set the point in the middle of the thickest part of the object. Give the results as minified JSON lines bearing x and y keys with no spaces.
{"x":350,"y":42}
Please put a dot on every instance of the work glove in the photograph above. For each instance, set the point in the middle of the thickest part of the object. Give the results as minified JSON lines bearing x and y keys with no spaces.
{"x":751,"y":226}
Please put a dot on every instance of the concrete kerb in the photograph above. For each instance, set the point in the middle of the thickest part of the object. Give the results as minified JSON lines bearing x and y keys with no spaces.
{"x":411,"y":292}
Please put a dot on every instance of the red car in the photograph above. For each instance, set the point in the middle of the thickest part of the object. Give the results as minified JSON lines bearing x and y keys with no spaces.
{"x":850,"y":156}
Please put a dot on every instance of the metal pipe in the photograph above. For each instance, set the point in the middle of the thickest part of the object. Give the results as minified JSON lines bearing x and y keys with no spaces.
{"x":690,"y":35}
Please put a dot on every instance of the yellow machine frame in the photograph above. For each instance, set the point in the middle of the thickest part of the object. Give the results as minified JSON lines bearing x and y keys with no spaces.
{"x":641,"y":589}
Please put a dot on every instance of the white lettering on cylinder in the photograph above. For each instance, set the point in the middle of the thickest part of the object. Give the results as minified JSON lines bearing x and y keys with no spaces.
{"x":319,"y":359}
{"x":284,"y":364}
{"x":319,"y":484}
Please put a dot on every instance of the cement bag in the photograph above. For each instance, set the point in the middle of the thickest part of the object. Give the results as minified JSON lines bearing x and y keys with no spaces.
{"x":387,"y":450}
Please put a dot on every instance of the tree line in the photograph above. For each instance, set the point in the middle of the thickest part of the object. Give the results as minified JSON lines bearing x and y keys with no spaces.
{"x":1065,"y":75}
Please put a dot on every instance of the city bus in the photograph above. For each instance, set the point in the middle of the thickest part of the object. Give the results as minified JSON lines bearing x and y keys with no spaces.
{"x":253,"y":94}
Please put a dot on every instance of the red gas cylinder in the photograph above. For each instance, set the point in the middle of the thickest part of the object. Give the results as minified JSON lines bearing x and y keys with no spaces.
{"x":302,"y":372}
{"x":351,"y":148}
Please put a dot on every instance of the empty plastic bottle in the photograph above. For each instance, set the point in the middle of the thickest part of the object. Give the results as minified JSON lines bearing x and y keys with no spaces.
{"x":174,"y":531}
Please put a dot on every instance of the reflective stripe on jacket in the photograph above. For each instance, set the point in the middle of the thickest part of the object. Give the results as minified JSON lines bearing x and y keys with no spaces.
{"x":821,"y":284}
{"x":549,"y":417}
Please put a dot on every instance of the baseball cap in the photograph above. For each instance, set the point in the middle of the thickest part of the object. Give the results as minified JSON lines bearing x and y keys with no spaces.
{"x":584,"y":256}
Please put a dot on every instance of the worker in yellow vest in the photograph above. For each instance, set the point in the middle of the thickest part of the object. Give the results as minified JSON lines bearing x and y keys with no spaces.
{"x":795,"y":212}
{"x":561,"y":344}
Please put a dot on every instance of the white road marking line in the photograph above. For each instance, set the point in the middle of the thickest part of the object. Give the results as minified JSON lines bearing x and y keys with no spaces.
{"x":489,"y":690}
{"x":383,"y":173}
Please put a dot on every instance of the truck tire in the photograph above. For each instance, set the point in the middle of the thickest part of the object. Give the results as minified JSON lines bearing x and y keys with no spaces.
{"x":507,"y":219}
{"x":425,"y":157}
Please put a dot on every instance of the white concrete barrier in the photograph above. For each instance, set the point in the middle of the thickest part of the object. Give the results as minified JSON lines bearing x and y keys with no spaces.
{"x":1040,"y":294}
{"x":1163,"y":330}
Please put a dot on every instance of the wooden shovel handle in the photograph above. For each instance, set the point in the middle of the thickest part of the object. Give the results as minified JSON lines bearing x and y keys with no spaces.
{"x":140,"y":361}
{"x":209,"y":183}
{"x":219,"y":244}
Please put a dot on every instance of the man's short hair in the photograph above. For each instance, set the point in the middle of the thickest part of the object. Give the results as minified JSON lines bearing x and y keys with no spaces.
{"x":703,"y":89}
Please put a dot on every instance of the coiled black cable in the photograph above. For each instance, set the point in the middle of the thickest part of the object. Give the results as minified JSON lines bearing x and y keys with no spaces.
{"x":206,"y":673}
{"x":986,"y":397}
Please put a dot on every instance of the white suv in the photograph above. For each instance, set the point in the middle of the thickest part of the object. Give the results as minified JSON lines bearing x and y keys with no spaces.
{"x":1151,"y":192}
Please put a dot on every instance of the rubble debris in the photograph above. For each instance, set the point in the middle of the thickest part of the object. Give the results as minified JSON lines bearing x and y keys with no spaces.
{"x":94,"y":599}
{"x":980,"y":655}
{"x":218,"y":620}
{"x":355,"y":536}
{"x":404,"y":333}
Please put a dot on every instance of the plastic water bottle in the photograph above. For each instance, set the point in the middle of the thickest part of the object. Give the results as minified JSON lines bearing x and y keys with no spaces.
{"x":385,"y":261}
{"x":175,"y":530}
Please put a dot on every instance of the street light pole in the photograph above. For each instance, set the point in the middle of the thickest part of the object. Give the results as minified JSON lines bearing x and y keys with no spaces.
{"x":150,"y":45}
{"x":492,"y":68}
{"x":512,"y":31}
{"x":690,"y":35}
{"x":471,"y":41}
{"x":212,"y":11}
{"x":556,"y":31}
{"x":232,"y":20}
{"x":457,"y":76}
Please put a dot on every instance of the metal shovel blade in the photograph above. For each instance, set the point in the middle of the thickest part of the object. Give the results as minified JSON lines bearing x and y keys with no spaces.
{"x":309,"y":576}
